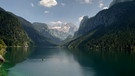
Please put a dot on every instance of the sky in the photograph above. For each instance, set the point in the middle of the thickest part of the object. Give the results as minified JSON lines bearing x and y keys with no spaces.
{"x":55,"y":11}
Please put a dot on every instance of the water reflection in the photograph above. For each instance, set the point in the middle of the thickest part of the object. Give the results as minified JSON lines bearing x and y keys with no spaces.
{"x":107,"y":63}
{"x":13,"y":56}
{"x":57,"y":62}
{"x":64,"y":62}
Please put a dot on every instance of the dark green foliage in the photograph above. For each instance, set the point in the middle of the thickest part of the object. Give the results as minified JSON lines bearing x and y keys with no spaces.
{"x":11,"y":31}
{"x":2,"y":42}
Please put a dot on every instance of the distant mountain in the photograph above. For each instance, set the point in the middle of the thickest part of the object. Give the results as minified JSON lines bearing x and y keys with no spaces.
{"x":62,"y":31}
{"x":43,"y":29}
{"x":110,"y":28}
{"x":11,"y":31}
{"x":40,"y":26}
{"x":36,"y":37}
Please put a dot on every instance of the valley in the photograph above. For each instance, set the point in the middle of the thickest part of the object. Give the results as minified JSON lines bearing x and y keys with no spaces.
{"x":67,"y":38}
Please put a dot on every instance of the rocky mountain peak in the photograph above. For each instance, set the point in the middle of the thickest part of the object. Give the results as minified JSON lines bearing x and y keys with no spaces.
{"x":62,"y":31}
{"x":64,"y":27}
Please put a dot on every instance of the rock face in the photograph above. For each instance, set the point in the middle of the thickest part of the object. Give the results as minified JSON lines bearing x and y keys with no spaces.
{"x":62,"y":31}
{"x":113,"y":27}
{"x":105,"y":17}
{"x":43,"y":29}
{"x":81,"y":30}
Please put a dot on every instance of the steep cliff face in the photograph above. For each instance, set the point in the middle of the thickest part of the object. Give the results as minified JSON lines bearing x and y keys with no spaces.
{"x":40,"y":26}
{"x":36,"y":37}
{"x":105,"y":17}
{"x":108,"y":28}
{"x":62,"y":31}
{"x":43,"y":29}
{"x":81,"y":30}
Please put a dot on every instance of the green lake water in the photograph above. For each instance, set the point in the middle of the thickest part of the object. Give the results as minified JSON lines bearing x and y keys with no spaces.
{"x":62,"y":62}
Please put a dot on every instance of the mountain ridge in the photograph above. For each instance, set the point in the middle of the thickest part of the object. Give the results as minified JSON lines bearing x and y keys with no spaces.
{"x":43,"y":29}
{"x":11,"y":30}
{"x":22,"y":30}
{"x":62,"y":31}
{"x":110,"y":26}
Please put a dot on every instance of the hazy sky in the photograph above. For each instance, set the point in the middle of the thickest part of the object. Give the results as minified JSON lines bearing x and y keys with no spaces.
{"x":54,"y":11}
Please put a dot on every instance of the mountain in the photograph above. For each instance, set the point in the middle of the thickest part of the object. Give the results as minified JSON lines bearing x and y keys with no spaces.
{"x":11,"y":31}
{"x":16,"y":31}
{"x":81,"y":30}
{"x":40,"y":26}
{"x":62,"y":31}
{"x":110,"y":28}
{"x":43,"y":29}
{"x":35,"y":36}
{"x":118,"y":1}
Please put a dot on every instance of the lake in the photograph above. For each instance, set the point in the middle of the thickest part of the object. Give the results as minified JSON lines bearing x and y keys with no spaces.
{"x":41,"y":61}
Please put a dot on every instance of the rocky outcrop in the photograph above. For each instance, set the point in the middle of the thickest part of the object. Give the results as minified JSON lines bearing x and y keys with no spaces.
{"x":2,"y":59}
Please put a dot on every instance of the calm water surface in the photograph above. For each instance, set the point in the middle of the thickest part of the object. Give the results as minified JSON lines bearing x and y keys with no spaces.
{"x":63,"y":62}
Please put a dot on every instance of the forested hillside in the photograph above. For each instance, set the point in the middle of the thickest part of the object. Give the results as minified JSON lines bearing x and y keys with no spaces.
{"x":11,"y":31}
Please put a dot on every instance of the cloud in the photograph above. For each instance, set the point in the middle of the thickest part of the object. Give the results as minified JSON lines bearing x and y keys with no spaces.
{"x":48,"y":3}
{"x":86,"y":1}
{"x":101,"y":5}
{"x":56,"y":23}
{"x":63,"y":4}
{"x":80,"y":18}
{"x":46,"y":12}
{"x":32,"y":5}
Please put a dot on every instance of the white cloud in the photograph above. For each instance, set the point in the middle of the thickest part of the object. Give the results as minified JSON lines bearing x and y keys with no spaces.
{"x":80,"y":18}
{"x":86,"y":1}
{"x":63,"y":4}
{"x":101,"y":5}
{"x":48,"y":3}
{"x":56,"y":23}
{"x":32,"y":5}
{"x":105,"y":7}
{"x":46,"y":12}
